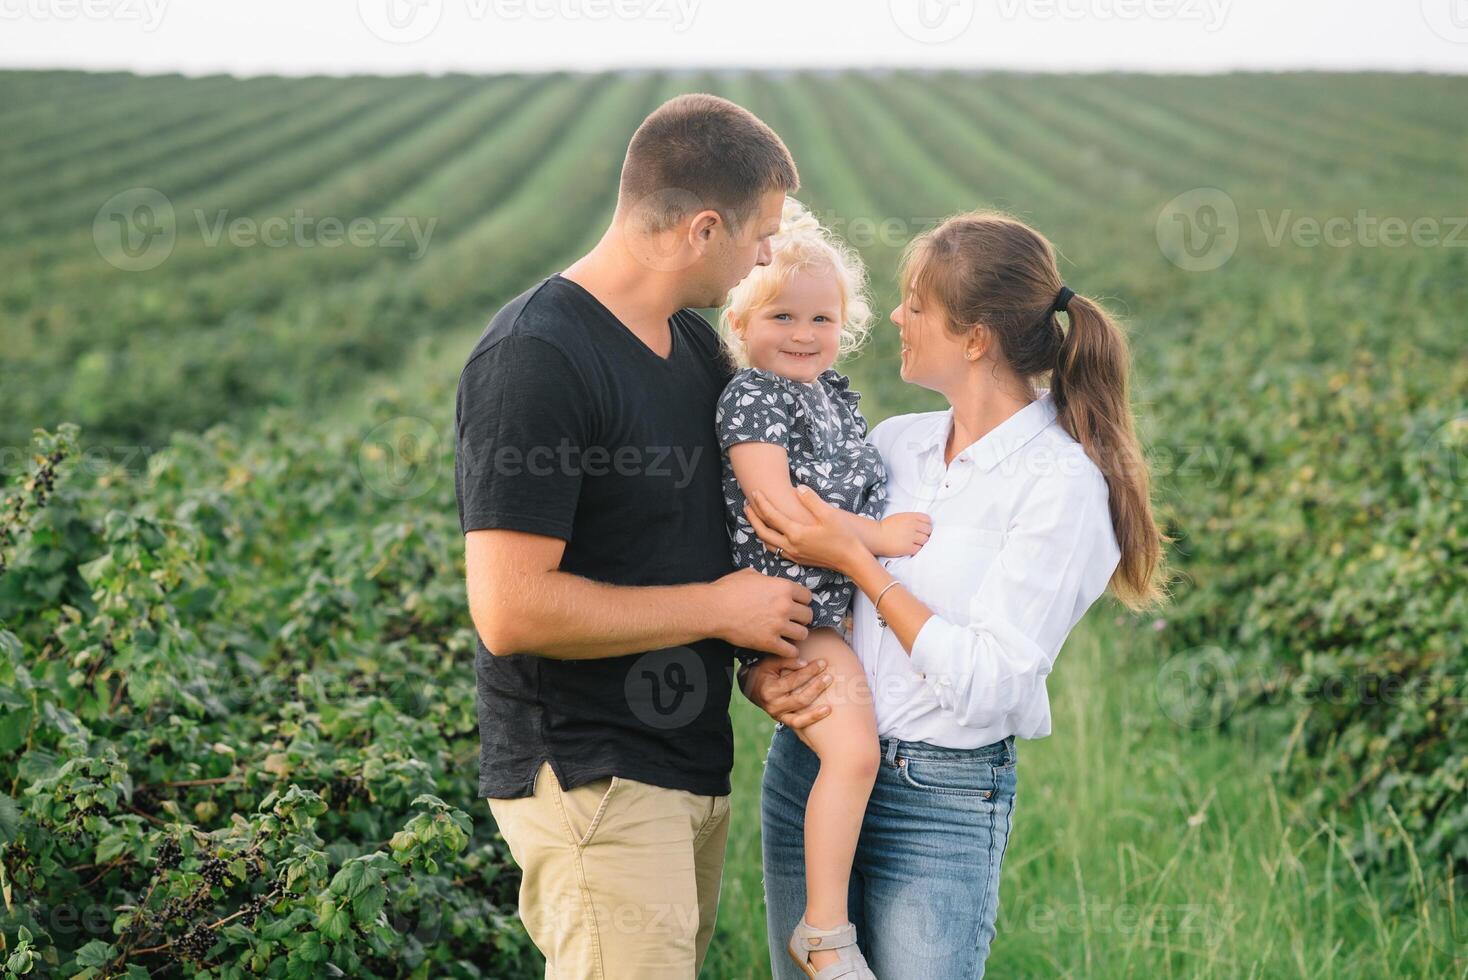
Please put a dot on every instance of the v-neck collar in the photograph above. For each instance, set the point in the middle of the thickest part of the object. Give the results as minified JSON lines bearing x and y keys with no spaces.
{"x":631,"y":335}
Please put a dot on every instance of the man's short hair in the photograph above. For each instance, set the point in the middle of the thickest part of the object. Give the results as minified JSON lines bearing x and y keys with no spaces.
{"x":699,"y":151}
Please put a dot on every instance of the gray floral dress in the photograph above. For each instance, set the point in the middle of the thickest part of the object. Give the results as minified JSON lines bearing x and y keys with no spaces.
{"x":825,"y":437}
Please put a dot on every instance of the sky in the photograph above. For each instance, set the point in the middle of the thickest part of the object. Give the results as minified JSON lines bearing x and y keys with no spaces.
{"x":297,"y":37}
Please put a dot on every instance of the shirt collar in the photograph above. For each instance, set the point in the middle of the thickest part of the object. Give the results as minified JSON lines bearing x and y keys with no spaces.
{"x":999,"y":442}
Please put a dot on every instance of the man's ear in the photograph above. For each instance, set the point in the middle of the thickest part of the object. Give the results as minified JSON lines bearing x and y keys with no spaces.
{"x":701,"y":230}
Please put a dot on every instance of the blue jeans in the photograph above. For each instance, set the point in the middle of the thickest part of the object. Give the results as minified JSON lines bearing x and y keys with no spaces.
{"x":925,"y":884}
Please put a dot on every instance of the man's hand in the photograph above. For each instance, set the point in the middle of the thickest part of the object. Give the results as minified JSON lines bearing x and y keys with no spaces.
{"x":761,"y":612}
{"x":787,"y":692}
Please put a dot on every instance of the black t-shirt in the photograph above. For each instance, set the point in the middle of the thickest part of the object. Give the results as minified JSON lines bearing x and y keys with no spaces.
{"x":570,"y":426}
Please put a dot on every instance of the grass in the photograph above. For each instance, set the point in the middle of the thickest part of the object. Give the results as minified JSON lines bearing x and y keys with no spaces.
{"x":1141,"y":848}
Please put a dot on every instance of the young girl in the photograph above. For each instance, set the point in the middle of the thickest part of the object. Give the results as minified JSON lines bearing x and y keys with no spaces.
{"x":788,"y":417}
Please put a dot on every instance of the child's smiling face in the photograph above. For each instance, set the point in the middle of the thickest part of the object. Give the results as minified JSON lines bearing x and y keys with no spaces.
{"x":798,"y":333}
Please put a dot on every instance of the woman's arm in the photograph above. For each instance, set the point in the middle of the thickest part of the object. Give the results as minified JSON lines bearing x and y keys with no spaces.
{"x":819,"y":536}
{"x":765,"y":467}
{"x":1057,"y":558}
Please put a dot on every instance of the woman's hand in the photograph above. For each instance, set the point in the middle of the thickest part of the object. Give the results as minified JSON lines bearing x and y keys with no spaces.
{"x":817,"y":537}
{"x":785,"y":691}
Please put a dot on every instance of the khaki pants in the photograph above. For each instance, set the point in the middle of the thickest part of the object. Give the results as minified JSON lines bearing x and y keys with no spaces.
{"x":620,"y":878}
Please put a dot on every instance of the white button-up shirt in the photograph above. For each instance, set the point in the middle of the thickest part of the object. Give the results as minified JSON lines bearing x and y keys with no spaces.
{"x":1022,"y":545}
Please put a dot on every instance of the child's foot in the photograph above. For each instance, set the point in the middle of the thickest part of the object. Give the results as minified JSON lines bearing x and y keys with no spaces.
{"x":828,"y":954}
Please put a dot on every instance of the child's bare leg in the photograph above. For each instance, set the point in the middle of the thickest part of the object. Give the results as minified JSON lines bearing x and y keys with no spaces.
{"x":846,"y":742}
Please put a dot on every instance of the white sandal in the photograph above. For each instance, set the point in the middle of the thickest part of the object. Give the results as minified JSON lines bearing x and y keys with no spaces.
{"x":851,"y":965}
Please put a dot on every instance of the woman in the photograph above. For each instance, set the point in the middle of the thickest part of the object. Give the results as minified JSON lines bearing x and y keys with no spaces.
{"x":1039,"y":499}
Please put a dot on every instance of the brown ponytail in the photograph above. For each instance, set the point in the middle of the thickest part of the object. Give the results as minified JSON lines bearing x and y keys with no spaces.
{"x":988,"y":268}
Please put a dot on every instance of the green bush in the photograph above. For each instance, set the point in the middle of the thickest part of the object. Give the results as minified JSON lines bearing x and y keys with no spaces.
{"x":236,"y":722}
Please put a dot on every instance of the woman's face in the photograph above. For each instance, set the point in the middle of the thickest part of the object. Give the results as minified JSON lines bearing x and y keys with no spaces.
{"x":931,"y":355}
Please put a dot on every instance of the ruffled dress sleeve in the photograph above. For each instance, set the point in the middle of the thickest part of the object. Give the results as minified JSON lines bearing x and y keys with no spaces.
{"x":755,"y":406}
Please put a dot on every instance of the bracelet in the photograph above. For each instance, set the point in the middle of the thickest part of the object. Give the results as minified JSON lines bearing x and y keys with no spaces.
{"x":878,"y":602}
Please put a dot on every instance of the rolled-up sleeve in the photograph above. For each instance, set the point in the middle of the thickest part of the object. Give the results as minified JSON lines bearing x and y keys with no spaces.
{"x":1057,"y":556}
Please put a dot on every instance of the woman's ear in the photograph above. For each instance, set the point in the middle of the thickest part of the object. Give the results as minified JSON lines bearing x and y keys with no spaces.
{"x":976,"y":342}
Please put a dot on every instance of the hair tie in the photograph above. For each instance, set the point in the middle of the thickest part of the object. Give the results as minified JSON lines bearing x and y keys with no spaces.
{"x":1062,"y":300}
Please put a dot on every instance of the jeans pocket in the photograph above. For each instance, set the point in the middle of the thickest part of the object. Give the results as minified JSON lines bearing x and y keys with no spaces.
{"x":951,"y":777}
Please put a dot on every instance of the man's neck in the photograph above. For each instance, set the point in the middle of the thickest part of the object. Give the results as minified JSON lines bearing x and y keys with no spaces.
{"x":640,"y":297}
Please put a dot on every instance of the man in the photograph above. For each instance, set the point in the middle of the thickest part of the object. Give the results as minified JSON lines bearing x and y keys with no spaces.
{"x":600,"y":581}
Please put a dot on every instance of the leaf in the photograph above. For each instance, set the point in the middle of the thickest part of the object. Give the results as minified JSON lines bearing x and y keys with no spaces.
{"x":94,"y":953}
{"x":366,"y":905}
{"x":10,"y":819}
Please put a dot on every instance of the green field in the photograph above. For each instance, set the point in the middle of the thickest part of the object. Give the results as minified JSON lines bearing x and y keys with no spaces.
{"x":236,"y":660}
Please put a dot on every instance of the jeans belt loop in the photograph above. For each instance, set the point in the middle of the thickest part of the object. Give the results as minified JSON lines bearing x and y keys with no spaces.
{"x":890,"y":755}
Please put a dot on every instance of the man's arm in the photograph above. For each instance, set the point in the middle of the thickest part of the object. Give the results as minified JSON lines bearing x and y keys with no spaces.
{"x":522,"y":603}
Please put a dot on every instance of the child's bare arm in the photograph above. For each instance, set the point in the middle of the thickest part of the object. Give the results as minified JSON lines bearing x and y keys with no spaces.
{"x":765,"y":466}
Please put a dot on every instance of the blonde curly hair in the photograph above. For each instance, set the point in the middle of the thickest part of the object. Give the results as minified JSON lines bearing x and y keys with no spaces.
{"x":801,"y":244}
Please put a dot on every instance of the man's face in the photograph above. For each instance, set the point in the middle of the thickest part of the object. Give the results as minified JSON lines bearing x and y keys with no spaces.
{"x":736,"y":248}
